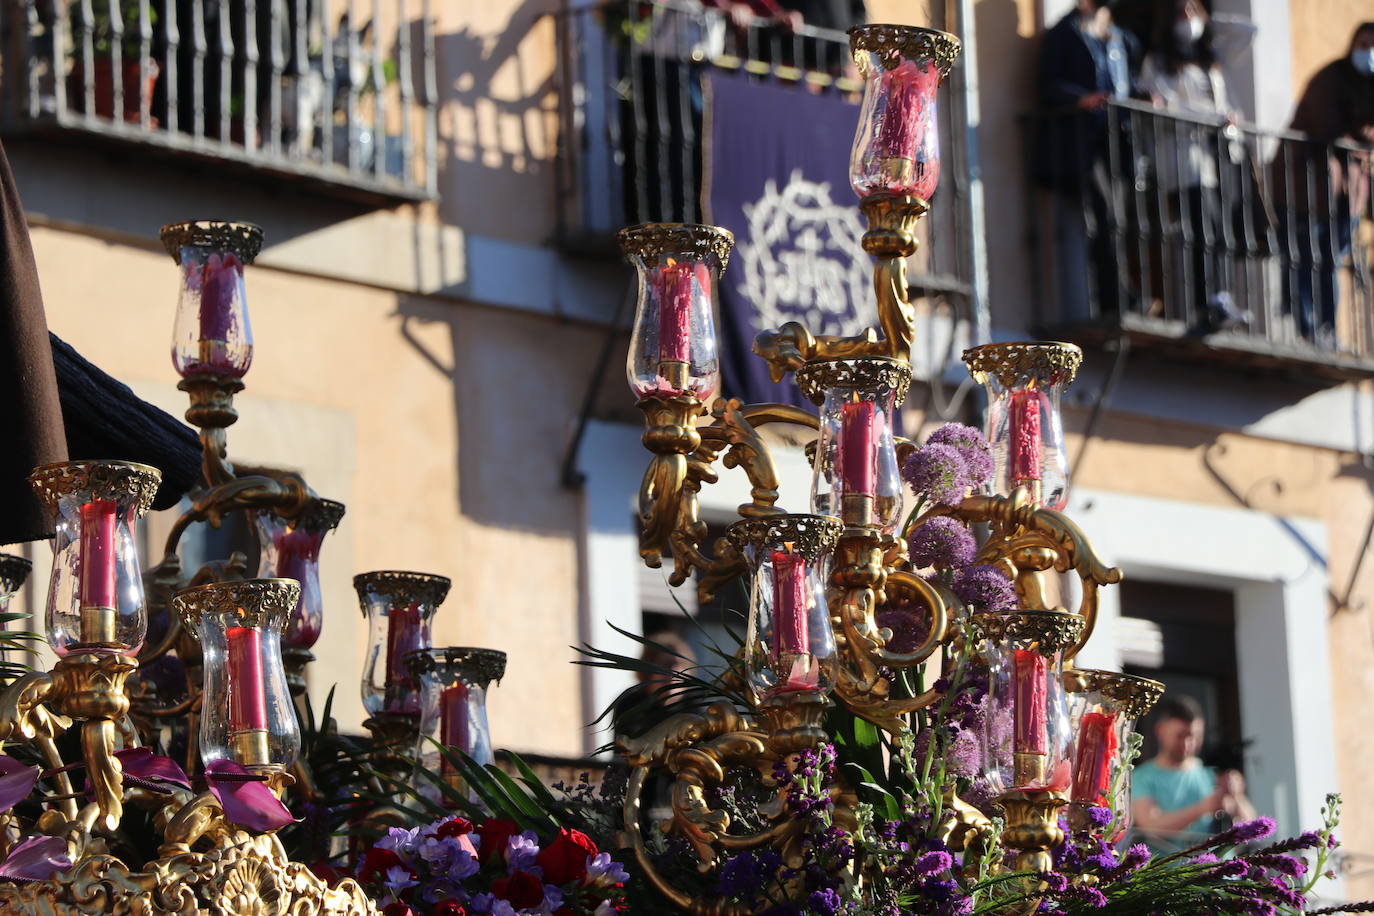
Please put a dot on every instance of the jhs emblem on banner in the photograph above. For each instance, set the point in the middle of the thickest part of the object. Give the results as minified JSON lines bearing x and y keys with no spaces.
{"x":801,"y":259}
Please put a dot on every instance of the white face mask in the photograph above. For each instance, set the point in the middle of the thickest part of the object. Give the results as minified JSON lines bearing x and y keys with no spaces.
{"x":1189,"y":30}
{"x":1363,"y":60}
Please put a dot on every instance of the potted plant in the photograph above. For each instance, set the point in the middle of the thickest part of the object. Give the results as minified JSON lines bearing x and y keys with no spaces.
{"x":137,"y":85}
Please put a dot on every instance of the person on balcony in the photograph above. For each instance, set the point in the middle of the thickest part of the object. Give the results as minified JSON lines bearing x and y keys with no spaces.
{"x":1086,"y":62}
{"x":1183,"y":74}
{"x":1176,"y":799}
{"x":1323,"y":190}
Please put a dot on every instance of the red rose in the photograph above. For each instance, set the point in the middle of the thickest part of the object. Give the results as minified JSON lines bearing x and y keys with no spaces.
{"x":450,"y":908}
{"x":454,"y":827}
{"x":398,"y":909}
{"x":520,"y":890}
{"x":376,"y":862}
{"x":565,"y":859}
{"x":494,"y":833}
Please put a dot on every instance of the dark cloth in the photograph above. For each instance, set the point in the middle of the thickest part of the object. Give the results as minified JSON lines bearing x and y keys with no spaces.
{"x":28,"y":384}
{"x":828,"y":14}
{"x":1074,"y":64}
{"x":1209,"y":259}
{"x":1338,"y":104}
{"x":105,"y":419}
{"x":1314,"y":249}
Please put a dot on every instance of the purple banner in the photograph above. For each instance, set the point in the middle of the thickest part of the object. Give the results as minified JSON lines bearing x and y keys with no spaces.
{"x":778,"y":177}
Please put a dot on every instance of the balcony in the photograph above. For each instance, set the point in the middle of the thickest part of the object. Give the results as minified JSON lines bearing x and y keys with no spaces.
{"x":265,"y":89}
{"x":1202,"y":240}
{"x":633,"y":118}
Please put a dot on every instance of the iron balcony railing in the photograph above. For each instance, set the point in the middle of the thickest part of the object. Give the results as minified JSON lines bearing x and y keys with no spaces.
{"x":632,"y":109}
{"x":338,"y":94}
{"x":1202,"y":234}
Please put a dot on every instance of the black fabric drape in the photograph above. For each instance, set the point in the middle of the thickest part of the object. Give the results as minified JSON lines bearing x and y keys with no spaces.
{"x":105,"y":419}
{"x":29,"y":406}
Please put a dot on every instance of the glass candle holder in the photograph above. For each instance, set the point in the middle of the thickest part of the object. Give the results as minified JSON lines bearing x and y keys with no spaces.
{"x":897,"y":146}
{"x":398,"y":607}
{"x":790,"y":646}
{"x":246,"y":711}
{"x":95,"y":598}
{"x":1027,"y":733}
{"x":673,"y":350}
{"x":1104,"y":707}
{"x":212,"y":335}
{"x":453,"y":690}
{"x":14,"y":572}
{"x":1025,"y":382}
{"x":290,"y":549}
{"x":855,"y":475}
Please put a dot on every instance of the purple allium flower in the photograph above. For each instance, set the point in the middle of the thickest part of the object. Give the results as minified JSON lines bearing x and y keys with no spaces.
{"x":977,"y":453}
{"x":943,"y":542}
{"x":824,"y":902}
{"x":933,"y":863}
{"x":984,"y":589}
{"x":1100,"y":817}
{"x":909,"y":626}
{"x":937,"y":472}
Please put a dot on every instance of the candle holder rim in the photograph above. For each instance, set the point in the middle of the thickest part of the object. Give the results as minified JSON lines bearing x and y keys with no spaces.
{"x":272,"y":602}
{"x":107,"y":478}
{"x":486,"y":664}
{"x":13,"y":566}
{"x":912,"y":42}
{"x":1134,"y":694}
{"x":1007,"y":361}
{"x":814,"y":535}
{"x":1052,"y":631}
{"x":819,"y":375}
{"x":650,"y":241}
{"x":239,"y":236}
{"x":319,"y":515}
{"x":429,"y":588}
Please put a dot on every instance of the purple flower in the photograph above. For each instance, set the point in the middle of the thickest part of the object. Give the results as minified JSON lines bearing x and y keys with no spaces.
{"x":1284,"y":865}
{"x":824,"y":902}
{"x":910,"y":626}
{"x":400,"y":840}
{"x":1055,"y":883}
{"x":984,"y":589}
{"x":1135,"y":857}
{"x":744,"y":875}
{"x":1207,"y":858}
{"x":245,"y":798}
{"x":35,"y":858}
{"x":961,"y":907}
{"x":602,"y":869}
{"x":1246,"y":831}
{"x":943,"y":542}
{"x":398,"y":879}
{"x":933,"y":863}
{"x":16,"y":781}
{"x":1091,"y":895}
{"x":1099,"y":817}
{"x":937,"y":472}
{"x":521,"y":851}
{"x":1233,"y":868}
{"x":152,"y":771}
{"x":978,"y":461}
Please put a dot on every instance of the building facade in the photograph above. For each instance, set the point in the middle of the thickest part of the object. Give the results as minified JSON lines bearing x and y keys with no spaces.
{"x":439,"y":324}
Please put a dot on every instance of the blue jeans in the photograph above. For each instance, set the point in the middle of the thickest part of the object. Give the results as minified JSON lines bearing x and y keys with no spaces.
{"x":1321,"y":246}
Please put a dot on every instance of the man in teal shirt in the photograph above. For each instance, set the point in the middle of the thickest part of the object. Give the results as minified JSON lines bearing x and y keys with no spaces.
{"x":1176,"y":799}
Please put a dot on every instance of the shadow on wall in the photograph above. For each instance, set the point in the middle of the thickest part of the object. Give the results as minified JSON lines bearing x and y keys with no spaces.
{"x":498,"y":124}
{"x":517,"y":383}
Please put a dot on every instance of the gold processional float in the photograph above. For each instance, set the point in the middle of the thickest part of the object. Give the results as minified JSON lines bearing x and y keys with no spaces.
{"x":818,"y":581}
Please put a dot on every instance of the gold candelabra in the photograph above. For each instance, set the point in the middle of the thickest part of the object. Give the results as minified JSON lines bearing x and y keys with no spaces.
{"x":862,"y":378}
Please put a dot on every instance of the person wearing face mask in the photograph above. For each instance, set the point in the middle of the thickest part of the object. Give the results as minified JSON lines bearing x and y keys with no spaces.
{"x":1183,"y":73}
{"x":1322,"y":191}
{"x":1086,"y":61}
